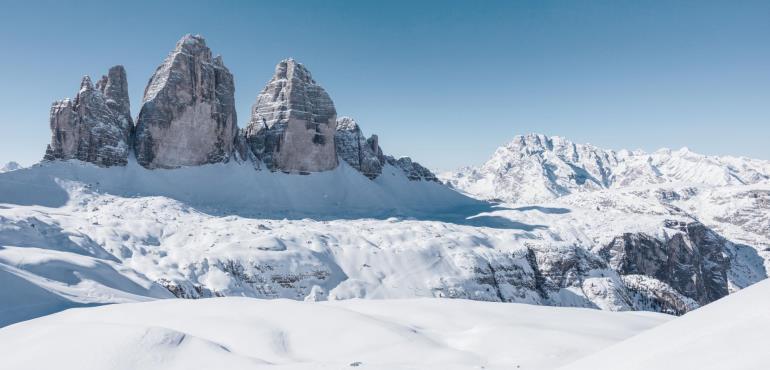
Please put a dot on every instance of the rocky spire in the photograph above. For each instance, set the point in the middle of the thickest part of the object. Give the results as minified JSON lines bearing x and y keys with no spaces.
{"x":293,"y":122}
{"x":114,"y":87}
{"x":88,"y":128}
{"x":354,"y":148}
{"x":188,"y":113}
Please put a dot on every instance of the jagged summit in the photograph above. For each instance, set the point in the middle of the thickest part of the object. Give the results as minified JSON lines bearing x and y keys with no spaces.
{"x":359,"y":152}
{"x":293,"y":122}
{"x":114,"y":87}
{"x":90,"y":127}
{"x":534,"y":168}
{"x":188,"y":116}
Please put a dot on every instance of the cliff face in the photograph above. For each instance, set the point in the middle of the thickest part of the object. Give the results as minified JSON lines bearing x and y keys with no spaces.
{"x":93,"y":127}
{"x":188,"y":112}
{"x":293,"y":122}
{"x":359,"y":152}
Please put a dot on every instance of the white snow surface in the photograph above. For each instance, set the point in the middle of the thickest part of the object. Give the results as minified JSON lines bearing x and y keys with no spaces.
{"x":246,"y":333}
{"x":72,"y":234}
{"x":730,"y":333}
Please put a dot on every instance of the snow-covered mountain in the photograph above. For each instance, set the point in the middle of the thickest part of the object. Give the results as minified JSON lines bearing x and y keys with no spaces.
{"x":10,"y":166}
{"x":535,"y":168}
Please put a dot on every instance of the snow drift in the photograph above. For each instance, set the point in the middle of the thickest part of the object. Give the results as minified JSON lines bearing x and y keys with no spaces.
{"x":242,"y":333}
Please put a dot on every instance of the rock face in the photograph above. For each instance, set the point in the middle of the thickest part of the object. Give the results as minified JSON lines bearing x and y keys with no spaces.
{"x":94,"y":126}
{"x":359,"y":152}
{"x":114,"y":87}
{"x":188,"y":113}
{"x":413,"y":170}
{"x":293,"y":122}
{"x":693,"y":261}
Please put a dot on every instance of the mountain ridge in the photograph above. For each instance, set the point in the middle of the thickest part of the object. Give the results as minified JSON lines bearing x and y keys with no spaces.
{"x":534,"y":168}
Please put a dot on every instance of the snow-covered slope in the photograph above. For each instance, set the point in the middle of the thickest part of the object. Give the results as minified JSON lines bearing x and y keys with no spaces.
{"x":226,"y":230}
{"x":535,"y":168}
{"x":728,"y":334}
{"x":235,"y":188}
{"x":243,"y":333}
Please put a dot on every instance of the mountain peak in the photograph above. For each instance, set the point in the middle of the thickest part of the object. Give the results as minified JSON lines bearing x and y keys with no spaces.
{"x":190,"y":42}
{"x":535,"y":168}
{"x":290,"y":69}
{"x":10,"y":166}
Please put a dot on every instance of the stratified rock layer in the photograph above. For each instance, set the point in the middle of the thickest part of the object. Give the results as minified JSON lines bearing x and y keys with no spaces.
{"x":188,"y":114}
{"x":693,"y":261}
{"x":93,"y":127}
{"x":359,"y":152}
{"x":293,"y":122}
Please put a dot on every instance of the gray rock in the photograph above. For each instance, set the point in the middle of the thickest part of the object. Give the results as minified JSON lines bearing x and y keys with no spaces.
{"x":188,"y":114}
{"x":413,"y":170}
{"x":354,"y":148}
{"x":693,"y":260}
{"x":92,"y":127}
{"x":293,"y":122}
{"x":114,"y":87}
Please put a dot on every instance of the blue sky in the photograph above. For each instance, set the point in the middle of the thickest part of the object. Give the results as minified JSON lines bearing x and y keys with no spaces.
{"x":445,"y":82}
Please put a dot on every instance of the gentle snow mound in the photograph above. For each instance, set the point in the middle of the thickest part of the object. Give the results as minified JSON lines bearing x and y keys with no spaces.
{"x":243,"y":333}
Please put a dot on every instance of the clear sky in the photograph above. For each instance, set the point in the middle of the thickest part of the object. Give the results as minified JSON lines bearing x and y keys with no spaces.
{"x":445,"y":82}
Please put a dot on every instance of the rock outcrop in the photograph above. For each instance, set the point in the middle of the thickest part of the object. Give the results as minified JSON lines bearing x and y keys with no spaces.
{"x":114,"y":87}
{"x":693,"y":260}
{"x":293,"y":122}
{"x":413,"y":170}
{"x":188,"y":111}
{"x":94,"y":126}
{"x":359,"y":152}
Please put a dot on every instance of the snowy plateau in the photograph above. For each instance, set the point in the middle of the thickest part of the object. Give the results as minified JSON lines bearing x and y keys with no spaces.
{"x":296,"y":243}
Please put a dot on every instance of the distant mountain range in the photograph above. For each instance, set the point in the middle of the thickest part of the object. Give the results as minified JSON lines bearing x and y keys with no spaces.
{"x":10,"y":166}
{"x":535,"y":168}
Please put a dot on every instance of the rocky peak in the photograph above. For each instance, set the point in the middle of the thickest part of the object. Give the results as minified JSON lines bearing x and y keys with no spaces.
{"x":89,"y":129}
{"x":188,"y":113}
{"x":293,"y":122}
{"x":114,"y":87}
{"x":354,"y":148}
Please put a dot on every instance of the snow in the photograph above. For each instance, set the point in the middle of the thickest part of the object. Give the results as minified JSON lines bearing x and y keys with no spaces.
{"x":236,"y":188}
{"x":38,"y":282}
{"x":244,"y":333}
{"x":536,"y":168}
{"x":226,"y":229}
{"x":730,"y":333}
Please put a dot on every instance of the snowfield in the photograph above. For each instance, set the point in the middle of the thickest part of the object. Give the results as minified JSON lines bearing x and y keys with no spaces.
{"x":730,"y":333}
{"x":245,"y":333}
{"x":127,"y":239}
{"x":73,"y":234}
